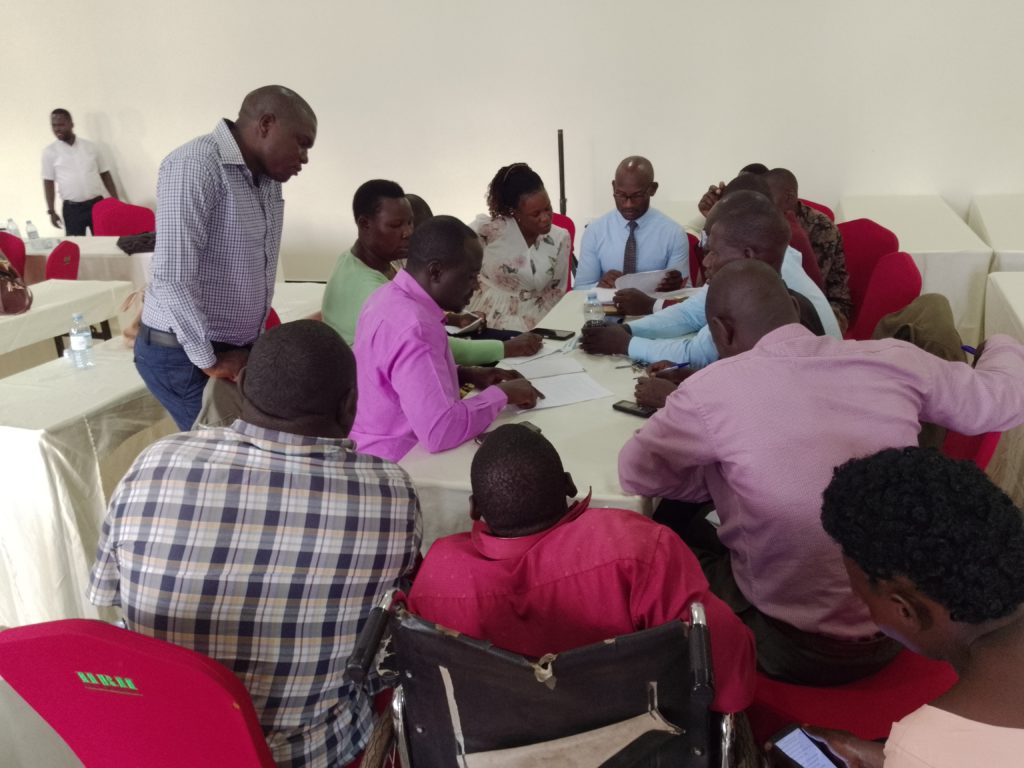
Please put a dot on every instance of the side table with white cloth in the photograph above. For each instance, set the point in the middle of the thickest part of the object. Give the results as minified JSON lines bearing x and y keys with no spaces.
{"x":952,"y":259}
{"x":27,"y":339}
{"x":1004,"y":313}
{"x":999,"y":221}
{"x":588,"y":436}
{"x":101,"y":259}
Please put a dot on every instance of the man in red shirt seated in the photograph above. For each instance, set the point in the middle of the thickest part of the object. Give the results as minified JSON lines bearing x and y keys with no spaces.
{"x":538,"y":575}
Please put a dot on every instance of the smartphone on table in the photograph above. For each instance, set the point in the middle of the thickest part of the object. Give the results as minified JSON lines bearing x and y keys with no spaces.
{"x":553,"y":334}
{"x":479,"y":439}
{"x":634,"y":409}
{"x":803,"y":751}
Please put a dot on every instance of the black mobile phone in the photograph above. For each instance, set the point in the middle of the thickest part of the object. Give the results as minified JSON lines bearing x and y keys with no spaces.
{"x":635,"y":409}
{"x":554,"y":335}
{"x":479,"y":439}
{"x":802,"y":750}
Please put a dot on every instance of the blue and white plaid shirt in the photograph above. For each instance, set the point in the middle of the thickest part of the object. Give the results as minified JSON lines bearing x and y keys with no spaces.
{"x":217,"y":242}
{"x":264,"y":550}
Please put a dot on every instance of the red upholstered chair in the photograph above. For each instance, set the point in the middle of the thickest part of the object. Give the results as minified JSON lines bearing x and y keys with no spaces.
{"x":120,"y":698}
{"x":696,"y":260}
{"x":62,"y":263}
{"x":976,"y":448}
{"x":112,"y":217}
{"x":895,"y":282}
{"x":14,"y":249}
{"x":866,"y":707}
{"x":864,"y":243}
{"x":563,"y":221}
{"x":819,"y":207}
{"x":273,"y":320}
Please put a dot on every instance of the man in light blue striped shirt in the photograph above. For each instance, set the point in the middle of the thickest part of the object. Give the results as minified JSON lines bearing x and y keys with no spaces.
{"x":219,"y":218}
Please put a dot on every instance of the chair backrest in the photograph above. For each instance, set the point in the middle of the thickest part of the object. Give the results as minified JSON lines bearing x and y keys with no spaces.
{"x":976,"y":448}
{"x":895,"y":282}
{"x":451,"y":685}
{"x":112,"y":217}
{"x":62,"y":263}
{"x":563,"y":221}
{"x":866,"y":707}
{"x":273,"y":320}
{"x":864,"y":243}
{"x":696,"y":259}
{"x":14,"y":249}
{"x":819,"y":207}
{"x":120,"y":698}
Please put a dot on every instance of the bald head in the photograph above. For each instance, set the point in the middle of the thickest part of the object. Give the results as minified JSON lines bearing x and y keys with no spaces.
{"x":745,"y":225}
{"x":633,"y":187}
{"x":275,"y":130}
{"x":747,"y":300}
{"x":784,"y":188}
{"x":300,"y":378}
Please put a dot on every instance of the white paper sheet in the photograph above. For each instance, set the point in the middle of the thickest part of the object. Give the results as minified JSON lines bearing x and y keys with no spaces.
{"x":567,"y":389}
{"x":643,"y":281}
{"x":547,"y":348}
{"x":553,"y":365}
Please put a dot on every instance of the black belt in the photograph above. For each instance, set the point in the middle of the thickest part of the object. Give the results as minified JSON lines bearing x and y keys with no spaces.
{"x":91,"y":201}
{"x":168,"y":339}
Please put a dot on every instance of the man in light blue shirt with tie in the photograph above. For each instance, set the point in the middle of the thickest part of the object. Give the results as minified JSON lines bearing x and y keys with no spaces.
{"x":634,"y":237}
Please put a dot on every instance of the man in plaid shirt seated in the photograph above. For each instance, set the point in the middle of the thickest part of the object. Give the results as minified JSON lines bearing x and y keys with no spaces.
{"x":265,"y":544}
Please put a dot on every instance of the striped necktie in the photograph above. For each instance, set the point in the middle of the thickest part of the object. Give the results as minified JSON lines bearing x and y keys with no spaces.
{"x":629,"y":258}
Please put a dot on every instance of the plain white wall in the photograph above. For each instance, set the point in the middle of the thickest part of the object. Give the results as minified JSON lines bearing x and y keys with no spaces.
{"x":855,"y":97}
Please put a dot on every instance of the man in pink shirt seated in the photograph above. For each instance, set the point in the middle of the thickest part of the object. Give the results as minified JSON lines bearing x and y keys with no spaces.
{"x":538,"y":576}
{"x":760,"y":432}
{"x":409,"y":383}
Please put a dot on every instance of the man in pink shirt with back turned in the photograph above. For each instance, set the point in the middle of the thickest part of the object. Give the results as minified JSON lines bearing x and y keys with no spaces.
{"x":760,"y":432}
{"x":408,"y":382}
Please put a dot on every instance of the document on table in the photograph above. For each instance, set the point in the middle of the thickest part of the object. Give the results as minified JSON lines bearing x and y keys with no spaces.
{"x":553,"y":365}
{"x":548,"y":348}
{"x":566,"y":389}
{"x":643,"y":281}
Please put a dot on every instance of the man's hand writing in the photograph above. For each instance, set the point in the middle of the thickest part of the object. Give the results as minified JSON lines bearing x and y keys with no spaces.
{"x":653,"y":391}
{"x":523,"y":345}
{"x":520,"y":393}
{"x":632,"y":301}
{"x":481,"y":377}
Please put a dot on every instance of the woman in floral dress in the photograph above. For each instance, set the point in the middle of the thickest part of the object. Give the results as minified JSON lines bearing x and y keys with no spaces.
{"x":526,"y":260}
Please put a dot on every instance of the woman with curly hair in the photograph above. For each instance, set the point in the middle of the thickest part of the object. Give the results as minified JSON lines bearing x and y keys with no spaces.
{"x":936,"y":551}
{"x":526,"y":260}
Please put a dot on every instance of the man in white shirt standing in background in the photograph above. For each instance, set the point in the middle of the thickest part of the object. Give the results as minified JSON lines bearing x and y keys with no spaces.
{"x":80,"y":173}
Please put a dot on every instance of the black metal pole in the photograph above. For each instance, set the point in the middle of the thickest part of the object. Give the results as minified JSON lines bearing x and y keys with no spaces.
{"x":561,"y":174}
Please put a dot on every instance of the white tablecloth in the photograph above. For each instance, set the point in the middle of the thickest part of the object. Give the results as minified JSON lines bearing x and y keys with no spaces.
{"x":999,"y":221}
{"x":1004,"y":313}
{"x":297,"y":301}
{"x":588,"y":437}
{"x":67,"y":438}
{"x":26,"y":339}
{"x":952,"y":259}
{"x":101,"y":260}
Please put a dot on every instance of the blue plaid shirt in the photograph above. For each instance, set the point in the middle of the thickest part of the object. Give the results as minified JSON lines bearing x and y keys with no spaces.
{"x":218,"y":235}
{"x":264,"y":550}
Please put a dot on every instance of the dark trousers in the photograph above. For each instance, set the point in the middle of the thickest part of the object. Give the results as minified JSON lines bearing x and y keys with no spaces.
{"x":783,"y":651}
{"x":78,"y":216}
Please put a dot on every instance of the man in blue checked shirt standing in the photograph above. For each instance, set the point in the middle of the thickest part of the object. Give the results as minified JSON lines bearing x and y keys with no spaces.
{"x":219,"y":218}
{"x":265,"y":544}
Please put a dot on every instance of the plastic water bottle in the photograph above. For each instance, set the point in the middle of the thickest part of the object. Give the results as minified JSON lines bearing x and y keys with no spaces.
{"x":593,"y":312}
{"x":12,"y":228}
{"x":81,"y":342}
{"x":30,"y":231}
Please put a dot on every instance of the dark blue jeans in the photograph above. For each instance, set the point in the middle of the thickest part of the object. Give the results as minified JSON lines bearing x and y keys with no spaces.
{"x":173,"y":380}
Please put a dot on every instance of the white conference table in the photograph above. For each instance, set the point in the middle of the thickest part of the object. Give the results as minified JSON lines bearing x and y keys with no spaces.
{"x":67,"y":436}
{"x":952,"y":259}
{"x":101,"y":259}
{"x":27,"y":339}
{"x":587,"y":435}
{"x":1004,"y":313}
{"x":999,"y":221}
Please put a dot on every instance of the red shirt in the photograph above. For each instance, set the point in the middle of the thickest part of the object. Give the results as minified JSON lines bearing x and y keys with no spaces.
{"x":597,"y":574}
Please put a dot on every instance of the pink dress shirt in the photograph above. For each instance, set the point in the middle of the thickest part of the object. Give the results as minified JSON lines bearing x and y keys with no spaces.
{"x":761,"y":433}
{"x":597,"y":574}
{"x":408,"y":382}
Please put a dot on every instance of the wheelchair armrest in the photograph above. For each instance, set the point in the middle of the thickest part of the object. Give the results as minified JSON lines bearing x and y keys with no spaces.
{"x":357,"y":668}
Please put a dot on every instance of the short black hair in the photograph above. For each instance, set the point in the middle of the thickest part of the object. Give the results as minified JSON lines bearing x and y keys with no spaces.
{"x":509,"y":185}
{"x":755,"y":168}
{"x":940,"y":523}
{"x":61,"y":111}
{"x":299,"y":370}
{"x":749,"y":219}
{"x":440,"y":238}
{"x":748,"y":181}
{"x":518,"y":481}
{"x":420,"y":209}
{"x":367,"y":199}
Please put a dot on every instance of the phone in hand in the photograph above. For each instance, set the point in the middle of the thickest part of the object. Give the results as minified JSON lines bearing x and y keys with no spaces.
{"x":553,"y":334}
{"x":801,"y":750}
{"x":634,"y":409}
{"x":479,"y":439}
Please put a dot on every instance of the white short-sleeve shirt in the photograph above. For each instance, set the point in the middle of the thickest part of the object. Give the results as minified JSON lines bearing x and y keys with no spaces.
{"x":76,"y":168}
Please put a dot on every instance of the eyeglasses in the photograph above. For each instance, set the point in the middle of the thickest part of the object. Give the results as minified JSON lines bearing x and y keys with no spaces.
{"x":637,"y":197}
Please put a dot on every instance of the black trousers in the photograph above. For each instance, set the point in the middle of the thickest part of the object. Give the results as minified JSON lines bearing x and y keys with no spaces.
{"x":78,"y":216}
